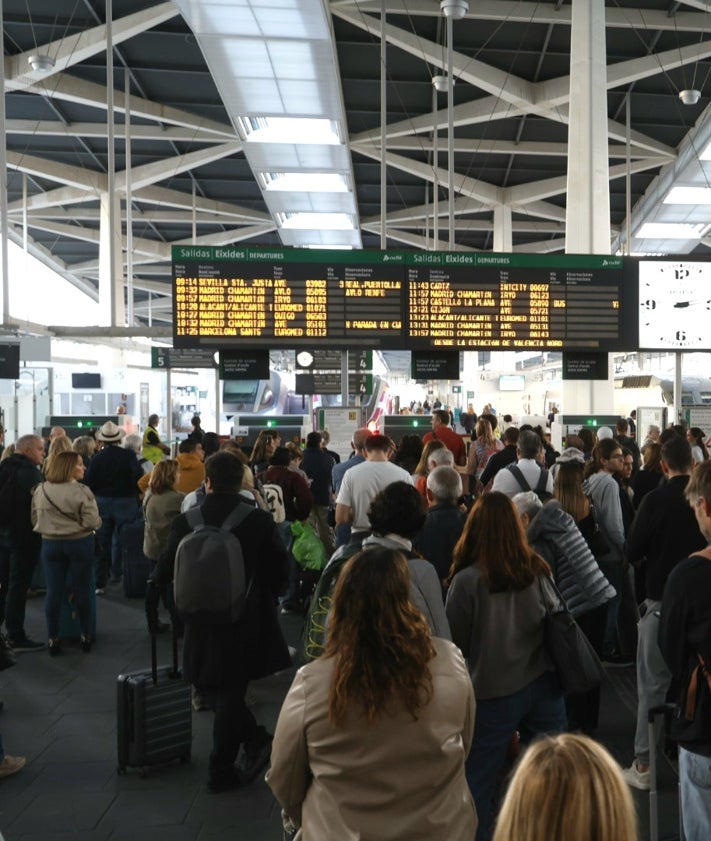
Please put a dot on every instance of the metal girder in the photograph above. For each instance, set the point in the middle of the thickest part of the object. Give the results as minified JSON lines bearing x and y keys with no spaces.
{"x":551,"y":14}
{"x":72,"y":176}
{"x":479,"y":190}
{"x":413,"y":240}
{"x":168,"y":197}
{"x":76,"y":48}
{"x":547,"y":187}
{"x":55,"y":128}
{"x":148,"y":174}
{"x":71,"y":89}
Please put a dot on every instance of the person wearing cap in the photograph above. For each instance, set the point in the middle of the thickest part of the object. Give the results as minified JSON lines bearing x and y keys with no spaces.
{"x":153,"y":448}
{"x":112,"y":476}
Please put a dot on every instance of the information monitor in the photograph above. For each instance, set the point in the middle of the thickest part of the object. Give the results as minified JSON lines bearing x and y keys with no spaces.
{"x":399,"y":300}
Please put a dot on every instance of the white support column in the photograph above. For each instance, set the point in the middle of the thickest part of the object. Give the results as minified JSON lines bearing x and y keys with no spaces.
{"x":111,"y":299}
{"x":587,"y":223}
{"x":588,"y":204}
{"x":4,"y":259}
{"x":503,"y":229}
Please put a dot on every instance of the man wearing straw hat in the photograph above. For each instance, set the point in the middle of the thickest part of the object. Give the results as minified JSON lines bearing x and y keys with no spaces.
{"x":112,"y":475}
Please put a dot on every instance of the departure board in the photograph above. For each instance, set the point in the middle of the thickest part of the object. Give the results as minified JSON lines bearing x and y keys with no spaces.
{"x":515,"y":302}
{"x":399,"y":300}
{"x":224,"y":296}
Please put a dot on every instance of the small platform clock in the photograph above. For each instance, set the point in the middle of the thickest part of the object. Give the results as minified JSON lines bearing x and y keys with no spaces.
{"x":674,"y":305}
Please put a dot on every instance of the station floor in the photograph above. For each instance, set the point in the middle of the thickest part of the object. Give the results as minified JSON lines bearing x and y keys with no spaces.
{"x":61,"y":714}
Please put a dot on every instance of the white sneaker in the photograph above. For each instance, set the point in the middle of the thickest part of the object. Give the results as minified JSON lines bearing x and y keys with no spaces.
{"x":636,"y":778}
{"x":11,"y":765}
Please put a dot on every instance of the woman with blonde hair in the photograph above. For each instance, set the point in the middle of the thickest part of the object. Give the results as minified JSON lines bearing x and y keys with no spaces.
{"x":422,"y":469}
{"x":496,"y":612}
{"x":60,"y":444}
{"x":567,"y":787}
{"x":85,"y":445}
{"x":371,"y":739}
{"x":484,"y":445}
{"x":161,"y":505}
{"x":65,"y":513}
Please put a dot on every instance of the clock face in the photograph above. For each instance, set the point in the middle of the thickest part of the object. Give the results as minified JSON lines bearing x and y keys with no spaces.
{"x":674,"y":305}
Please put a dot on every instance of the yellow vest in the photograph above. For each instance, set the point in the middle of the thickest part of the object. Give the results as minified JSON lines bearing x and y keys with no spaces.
{"x":150,"y":451}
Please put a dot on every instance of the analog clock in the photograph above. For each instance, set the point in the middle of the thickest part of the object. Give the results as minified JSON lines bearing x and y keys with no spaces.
{"x":674,"y":305}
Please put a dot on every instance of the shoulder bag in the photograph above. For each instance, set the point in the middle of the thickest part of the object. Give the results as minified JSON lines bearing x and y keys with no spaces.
{"x":97,"y":545}
{"x":576,"y":663}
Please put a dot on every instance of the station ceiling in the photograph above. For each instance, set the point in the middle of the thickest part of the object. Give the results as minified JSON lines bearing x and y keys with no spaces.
{"x":186,"y":162}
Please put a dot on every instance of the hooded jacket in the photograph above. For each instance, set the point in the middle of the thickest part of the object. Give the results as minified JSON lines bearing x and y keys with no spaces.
{"x":605,"y":494}
{"x":554,"y":535}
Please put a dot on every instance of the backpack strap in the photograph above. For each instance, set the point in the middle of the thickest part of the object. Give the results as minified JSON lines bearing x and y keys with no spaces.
{"x":700,"y":671}
{"x":236,"y":516}
{"x":519,"y":477}
{"x":195,"y":518}
{"x":542,"y":485}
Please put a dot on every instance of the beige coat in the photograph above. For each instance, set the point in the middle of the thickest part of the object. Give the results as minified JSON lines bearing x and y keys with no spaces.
{"x":80,"y":517}
{"x":395,"y":779}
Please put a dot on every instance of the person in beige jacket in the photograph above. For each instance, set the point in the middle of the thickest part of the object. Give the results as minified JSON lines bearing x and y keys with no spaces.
{"x":371,"y":739}
{"x":65,"y":513}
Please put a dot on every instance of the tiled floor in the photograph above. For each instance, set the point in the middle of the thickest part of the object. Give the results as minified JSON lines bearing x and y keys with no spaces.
{"x":61,"y":714}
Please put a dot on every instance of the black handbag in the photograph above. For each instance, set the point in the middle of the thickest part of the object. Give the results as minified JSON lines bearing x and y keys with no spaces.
{"x":597,"y":541}
{"x":577,"y":665}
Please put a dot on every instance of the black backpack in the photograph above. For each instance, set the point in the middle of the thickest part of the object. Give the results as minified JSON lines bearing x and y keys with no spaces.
{"x":540,"y":489}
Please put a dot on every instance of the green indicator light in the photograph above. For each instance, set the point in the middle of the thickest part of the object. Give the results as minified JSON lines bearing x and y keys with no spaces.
{"x":270,"y":423}
{"x":415,"y":423}
{"x":80,"y":424}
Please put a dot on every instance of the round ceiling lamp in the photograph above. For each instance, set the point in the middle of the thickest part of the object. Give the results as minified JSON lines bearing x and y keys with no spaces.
{"x":455,"y":9}
{"x":690,"y":96}
{"x":41,"y":63}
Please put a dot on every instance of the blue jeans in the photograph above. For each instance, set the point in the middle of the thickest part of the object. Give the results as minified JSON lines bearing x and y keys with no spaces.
{"x":115,"y":511}
{"x":60,"y":557}
{"x":535,"y":709}
{"x":695,"y":779}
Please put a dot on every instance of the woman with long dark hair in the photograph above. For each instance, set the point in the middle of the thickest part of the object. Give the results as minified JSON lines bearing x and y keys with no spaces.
{"x":371,"y":739}
{"x":496,"y":611}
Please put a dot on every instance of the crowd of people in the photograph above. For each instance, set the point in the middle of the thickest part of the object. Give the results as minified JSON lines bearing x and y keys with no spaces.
{"x":425,"y":667}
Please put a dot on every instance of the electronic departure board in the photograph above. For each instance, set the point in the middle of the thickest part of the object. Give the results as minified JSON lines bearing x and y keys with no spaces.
{"x":398,"y":300}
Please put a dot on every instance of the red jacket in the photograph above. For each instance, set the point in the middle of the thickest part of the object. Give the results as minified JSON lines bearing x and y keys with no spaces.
{"x":297,"y":495}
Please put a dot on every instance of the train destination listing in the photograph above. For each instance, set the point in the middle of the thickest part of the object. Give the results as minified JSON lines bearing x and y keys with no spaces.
{"x":397,"y":300}
{"x":536,"y":308}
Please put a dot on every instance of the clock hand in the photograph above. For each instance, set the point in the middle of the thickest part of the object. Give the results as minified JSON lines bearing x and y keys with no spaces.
{"x":682,"y":304}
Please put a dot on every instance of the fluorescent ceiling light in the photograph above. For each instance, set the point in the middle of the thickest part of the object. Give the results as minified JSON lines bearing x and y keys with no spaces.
{"x":688,"y":195}
{"x":304,"y":182}
{"x":669,"y":230}
{"x":316,"y":221}
{"x":288,"y":130}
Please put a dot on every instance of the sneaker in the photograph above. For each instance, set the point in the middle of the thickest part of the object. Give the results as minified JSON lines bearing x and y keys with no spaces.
{"x":24,"y":643}
{"x":11,"y":765}
{"x":100,"y":591}
{"x":255,"y":757}
{"x":636,"y":778}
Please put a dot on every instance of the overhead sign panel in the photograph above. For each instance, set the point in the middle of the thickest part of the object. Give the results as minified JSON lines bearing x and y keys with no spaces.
{"x":399,"y":300}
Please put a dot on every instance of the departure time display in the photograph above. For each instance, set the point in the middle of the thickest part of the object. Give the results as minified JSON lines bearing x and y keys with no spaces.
{"x":397,"y":300}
